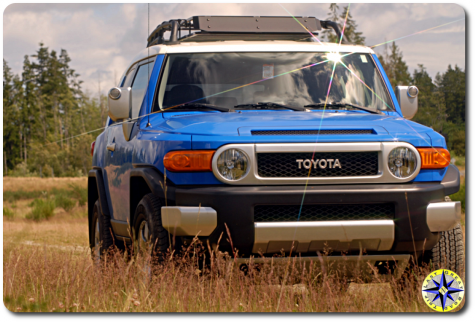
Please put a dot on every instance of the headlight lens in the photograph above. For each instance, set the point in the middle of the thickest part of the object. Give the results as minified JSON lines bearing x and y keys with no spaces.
{"x":402,"y":162}
{"x":233,"y":164}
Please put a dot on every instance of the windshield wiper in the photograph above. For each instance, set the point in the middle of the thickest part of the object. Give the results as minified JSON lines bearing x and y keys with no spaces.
{"x":341,"y":104}
{"x":210,"y":106}
{"x":271,"y":104}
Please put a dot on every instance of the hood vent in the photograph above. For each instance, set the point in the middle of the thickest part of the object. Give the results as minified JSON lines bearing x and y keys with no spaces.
{"x":311,"y":132}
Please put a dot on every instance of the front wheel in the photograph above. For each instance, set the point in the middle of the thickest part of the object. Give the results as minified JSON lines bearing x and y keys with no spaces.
{"x":448,"y":253}
{"x":148,"y":228}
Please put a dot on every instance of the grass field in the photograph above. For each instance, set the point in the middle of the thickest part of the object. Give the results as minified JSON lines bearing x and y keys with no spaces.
{"x":47,"y":267}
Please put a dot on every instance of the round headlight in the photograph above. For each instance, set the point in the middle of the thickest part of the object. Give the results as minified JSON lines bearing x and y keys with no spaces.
{"x":233,"y":164}
{"x":402,"y":162}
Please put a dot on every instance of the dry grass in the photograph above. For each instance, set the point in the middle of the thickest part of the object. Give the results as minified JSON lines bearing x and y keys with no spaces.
{"x":63,"y":230}
{"x":47,"y":267}
{"x":40,"y":278}
{"x":40,"y":184}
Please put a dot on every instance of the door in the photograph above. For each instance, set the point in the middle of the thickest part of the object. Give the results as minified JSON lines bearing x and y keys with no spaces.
{"x":118,"y":160}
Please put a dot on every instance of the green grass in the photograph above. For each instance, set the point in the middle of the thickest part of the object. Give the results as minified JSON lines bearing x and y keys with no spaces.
{"x":12,"y":196}
{"x":45,"y":202}
{"x":460,"y":195}
{"x":62,"y":201}
{"x":75,"y":192}
{"x":459,"y":160}
{"x":42,"y":209}
{"x":8,"y":213}
{"x":79,"y":193}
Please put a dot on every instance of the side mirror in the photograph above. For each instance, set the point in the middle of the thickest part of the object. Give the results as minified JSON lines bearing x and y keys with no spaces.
{"x":407,"y":98}
{"x":119,"y":100}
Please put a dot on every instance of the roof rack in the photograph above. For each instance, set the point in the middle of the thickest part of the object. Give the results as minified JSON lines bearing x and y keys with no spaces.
{"x":219,"y":28}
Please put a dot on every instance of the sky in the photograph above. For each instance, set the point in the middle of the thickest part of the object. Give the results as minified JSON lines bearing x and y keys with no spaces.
{"x":101,"y":39}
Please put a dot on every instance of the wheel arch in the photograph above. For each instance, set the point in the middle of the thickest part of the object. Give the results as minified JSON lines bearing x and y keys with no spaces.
{"x":95,"y":191}
{"x":145,"y":180}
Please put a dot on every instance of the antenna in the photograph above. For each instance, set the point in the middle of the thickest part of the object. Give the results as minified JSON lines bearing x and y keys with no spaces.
{"x":148,"y":55}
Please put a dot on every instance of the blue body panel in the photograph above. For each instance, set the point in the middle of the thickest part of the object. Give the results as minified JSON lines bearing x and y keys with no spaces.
{"x":210,"y":130}
{"x":99,"y":150}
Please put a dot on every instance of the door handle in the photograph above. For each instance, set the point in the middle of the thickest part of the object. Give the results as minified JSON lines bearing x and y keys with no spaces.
{"x":111,"y":147}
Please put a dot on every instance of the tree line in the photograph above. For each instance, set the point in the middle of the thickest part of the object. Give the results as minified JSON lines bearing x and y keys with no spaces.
{"x":44,"y":107}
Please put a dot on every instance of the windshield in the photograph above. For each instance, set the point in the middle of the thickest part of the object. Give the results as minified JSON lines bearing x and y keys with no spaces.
{"x":292,"y":79}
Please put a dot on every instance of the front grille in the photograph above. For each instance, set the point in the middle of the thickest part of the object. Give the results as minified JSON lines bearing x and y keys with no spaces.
{"x":310,"y":132}
{"x":284,"y":165}
{"x":332,"y":212}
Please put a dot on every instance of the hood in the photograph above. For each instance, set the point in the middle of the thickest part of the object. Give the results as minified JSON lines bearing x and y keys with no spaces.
{"x":241,"y":124}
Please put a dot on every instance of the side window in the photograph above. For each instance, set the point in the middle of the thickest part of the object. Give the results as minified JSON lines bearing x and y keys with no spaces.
{"x":139,"y":87}
{"x":128,"y":79}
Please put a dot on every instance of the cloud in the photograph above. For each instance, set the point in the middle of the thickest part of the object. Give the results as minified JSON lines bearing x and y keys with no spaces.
{"x":105,"y":37}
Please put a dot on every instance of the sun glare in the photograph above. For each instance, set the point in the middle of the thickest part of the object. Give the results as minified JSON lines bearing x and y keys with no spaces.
{"x":334,"y":57}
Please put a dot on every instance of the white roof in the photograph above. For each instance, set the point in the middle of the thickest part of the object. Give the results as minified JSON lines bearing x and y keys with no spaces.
{"x":248,"y":46}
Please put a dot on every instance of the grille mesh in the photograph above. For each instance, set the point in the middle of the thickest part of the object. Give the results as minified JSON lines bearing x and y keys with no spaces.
{"x":307,"y":132}
{"x":284,"y":165}
{"x":332,"y":212}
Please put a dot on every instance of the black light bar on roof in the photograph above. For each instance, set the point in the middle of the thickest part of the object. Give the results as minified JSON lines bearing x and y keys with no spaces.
{"x":218,"y":28}
{"x":256,"y":24}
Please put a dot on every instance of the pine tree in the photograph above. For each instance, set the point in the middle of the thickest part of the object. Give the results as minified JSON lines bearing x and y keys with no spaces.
{"x":40,"y":70}
{"x":452,"y":85}
{"x":395,"y":66}
{"x":29,"y":104}
{"x":431,"y":105}
{"x":11,"y":139}
{"x":353,"y":36}
{"x":328,"y":34}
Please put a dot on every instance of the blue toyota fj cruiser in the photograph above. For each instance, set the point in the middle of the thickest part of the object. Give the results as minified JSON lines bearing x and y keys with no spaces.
{"x":249,"y":127}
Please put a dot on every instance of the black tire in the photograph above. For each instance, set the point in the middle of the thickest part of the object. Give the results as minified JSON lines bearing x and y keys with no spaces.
{"x":148,"y":213}
{"x":448,"y":253}
{"x":102,"y":235}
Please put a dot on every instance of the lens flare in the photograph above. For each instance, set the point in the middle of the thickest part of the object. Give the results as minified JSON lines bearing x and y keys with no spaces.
{"x":445,"y":24}
{"x":344,"y":24}
{"x":334,"y":57}
{"x":353,"y":73}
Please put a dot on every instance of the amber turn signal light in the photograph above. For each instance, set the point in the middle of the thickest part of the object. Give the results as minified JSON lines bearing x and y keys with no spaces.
{"x":434,"y":158}
{"x":188,"y":161}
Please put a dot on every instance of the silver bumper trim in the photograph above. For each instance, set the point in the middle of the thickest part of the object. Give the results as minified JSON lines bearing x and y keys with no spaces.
{"x":189,"y":221}
{"x":316,"y":235}
{"x":443,"y":216}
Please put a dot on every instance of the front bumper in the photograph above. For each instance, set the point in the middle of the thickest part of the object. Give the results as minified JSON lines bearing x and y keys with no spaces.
{"x":234,"y":206}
